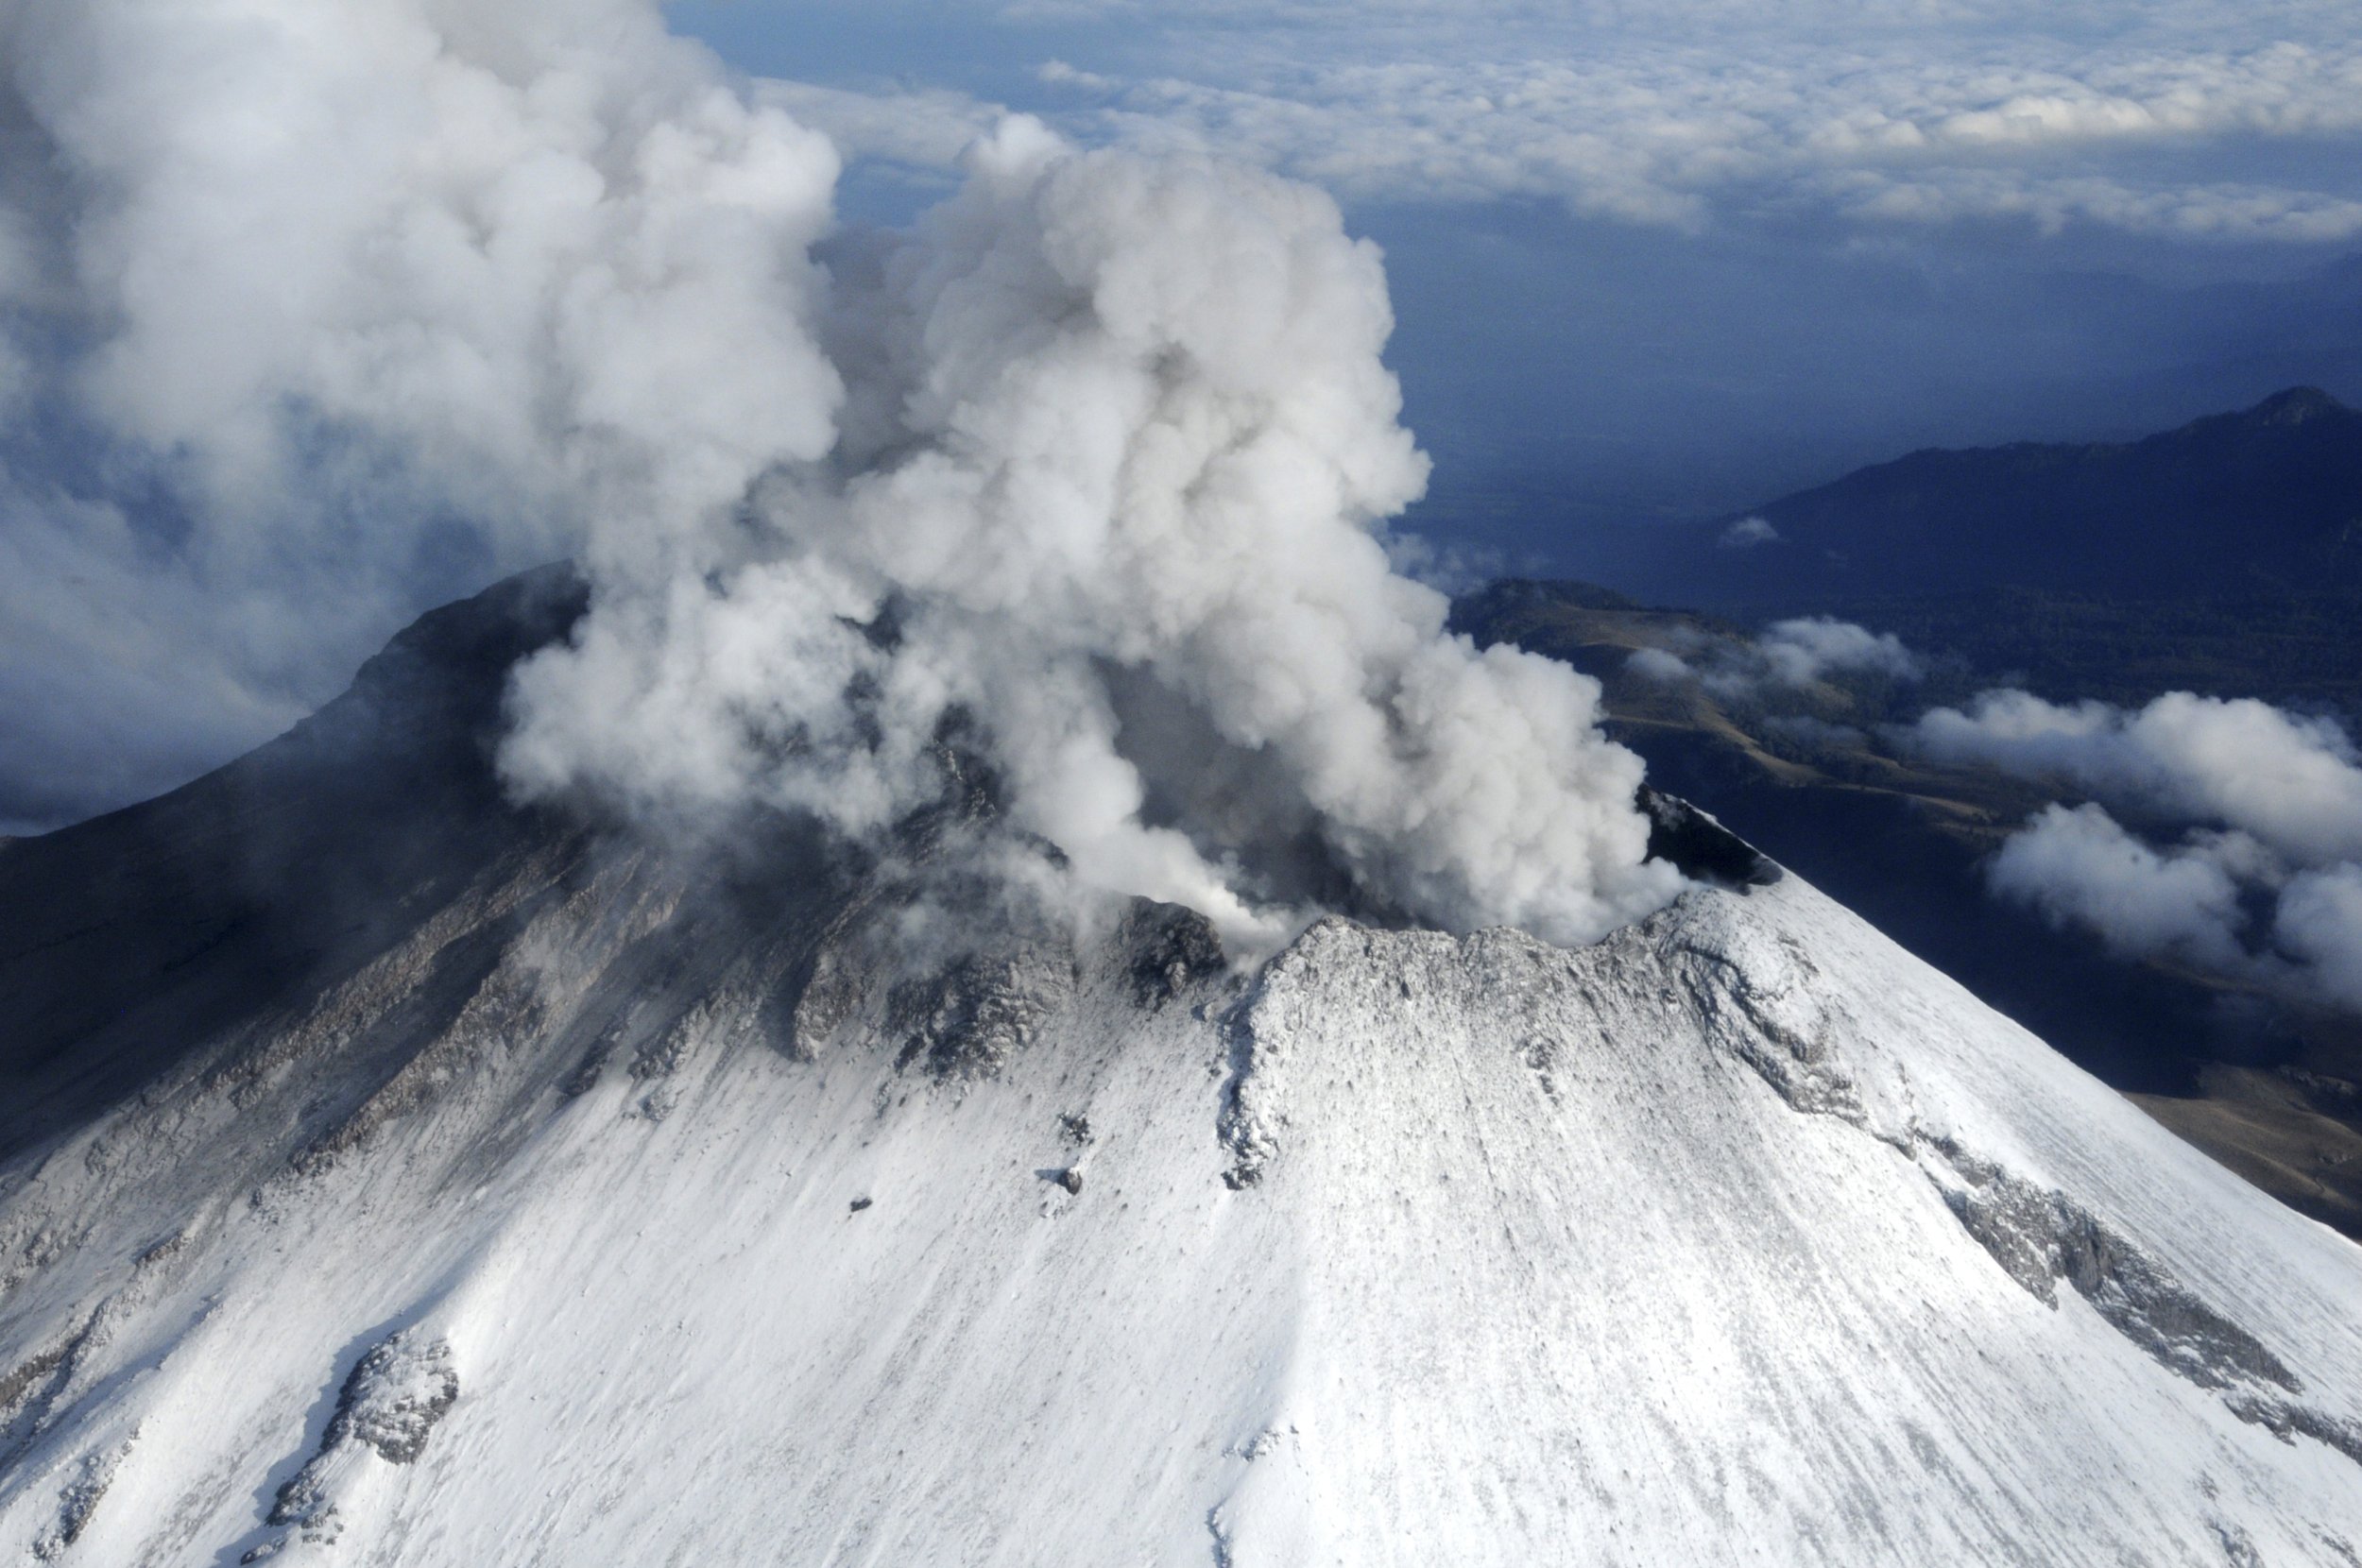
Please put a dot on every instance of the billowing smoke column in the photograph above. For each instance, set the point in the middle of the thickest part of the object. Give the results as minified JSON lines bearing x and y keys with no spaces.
{"x":1085,"y":469}
{"x":1114,"y":433}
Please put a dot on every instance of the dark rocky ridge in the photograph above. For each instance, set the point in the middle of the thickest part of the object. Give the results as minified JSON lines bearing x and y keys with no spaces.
{"x":358,"y":885}
{"x":134,"y":934}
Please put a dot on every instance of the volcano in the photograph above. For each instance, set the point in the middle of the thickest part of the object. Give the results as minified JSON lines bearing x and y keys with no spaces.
{"x":391,"y":1174}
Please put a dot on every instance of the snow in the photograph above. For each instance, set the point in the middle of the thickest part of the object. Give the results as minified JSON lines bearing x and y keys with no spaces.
{"x":1740,"y":1236}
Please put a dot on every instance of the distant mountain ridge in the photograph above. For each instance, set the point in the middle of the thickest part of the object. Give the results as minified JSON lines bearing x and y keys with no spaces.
{"x":2266,"y":499}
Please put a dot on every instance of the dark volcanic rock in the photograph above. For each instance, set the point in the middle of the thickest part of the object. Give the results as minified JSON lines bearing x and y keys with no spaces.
{"x":1700,"y":847}
{"x":1170,"y":948}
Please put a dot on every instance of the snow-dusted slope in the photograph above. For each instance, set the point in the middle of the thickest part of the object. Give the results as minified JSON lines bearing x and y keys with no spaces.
{"x":599,"y":1208}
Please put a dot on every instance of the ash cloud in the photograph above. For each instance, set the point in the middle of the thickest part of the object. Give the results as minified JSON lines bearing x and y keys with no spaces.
{"x":1109,"y":414}
{"x":2243,"y":857}
{"x":338,"y":310}
{"x":324,"y":317}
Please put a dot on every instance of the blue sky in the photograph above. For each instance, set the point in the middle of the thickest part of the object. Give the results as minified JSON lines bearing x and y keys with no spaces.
{"x":1682,"y":258}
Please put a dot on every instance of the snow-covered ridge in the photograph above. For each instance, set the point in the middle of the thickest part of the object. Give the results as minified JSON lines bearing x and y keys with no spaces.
{"x":599,"y":1205}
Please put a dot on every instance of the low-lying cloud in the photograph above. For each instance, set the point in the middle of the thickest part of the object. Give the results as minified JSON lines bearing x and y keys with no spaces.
{"x":2244,"y":857}
{"x":1789,"y":656}
{"x":1079,"y":480}
{"x":2291,"y":781}
{"x":1747,"y":533}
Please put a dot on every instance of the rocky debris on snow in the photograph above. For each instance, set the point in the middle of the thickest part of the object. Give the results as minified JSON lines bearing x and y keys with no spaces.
{"x":40,"y":1247}
{"x":1255,"y":1030}
{"x":1070,"y":1179}
{"x":831,"y":992}
{"x":1262,"y":1442}
{"x":857,"y":1205}
{"x":1540,"y":1055}
{"x":2288,"y":1422}
{"x":1246,"y":1122}
{"x":1075,"y":1128}
{"x":390,"y":1402}
{"x":662,"y":1056}
{"x":966,"y":1021}
{"x":728,"y":1017}
{"x":2041,"y":1236}
{"x":23,"y":1390}
{"x":1780,"y":1027}
{"x":2238,"y":1547}
{"x":395,"y":1396}
{"x":1787,"y":1032}
{"x":38,"y":1390}
{"x":79,"y":1499}
{"x":585,"y":1077}
{"x":1219,"y":1530}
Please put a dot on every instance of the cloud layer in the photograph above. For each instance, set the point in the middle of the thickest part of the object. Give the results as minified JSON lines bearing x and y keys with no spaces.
{"x":1078,"y":481}
{"x":2152,"y":118}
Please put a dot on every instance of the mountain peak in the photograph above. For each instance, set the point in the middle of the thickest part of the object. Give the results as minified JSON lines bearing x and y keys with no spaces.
{"x":2295,"y":405}
{"x":517,"y":1193}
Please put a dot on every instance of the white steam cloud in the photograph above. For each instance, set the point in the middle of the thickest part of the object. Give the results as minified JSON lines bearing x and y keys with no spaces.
{"x":2265,"y":883}
{"x":1082,"y":474}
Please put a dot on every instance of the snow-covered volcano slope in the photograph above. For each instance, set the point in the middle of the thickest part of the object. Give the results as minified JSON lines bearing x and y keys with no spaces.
{"x":457,"y":1189}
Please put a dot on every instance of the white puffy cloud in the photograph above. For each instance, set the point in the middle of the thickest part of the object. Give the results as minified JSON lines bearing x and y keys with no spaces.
{"x":2320,"y":923}
{"x":451,"y":226}
{"x":1083,"y":478}
{"x":2081,"y":867}
{"x":1747,"y":533}
{"x":1789,"y":658}
{"x":927,"y":127}
{"x":2291,"y":781}
{"x":2269,"y":806}
{"x":1802,"y":651}
{"x":1660,"y":665}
